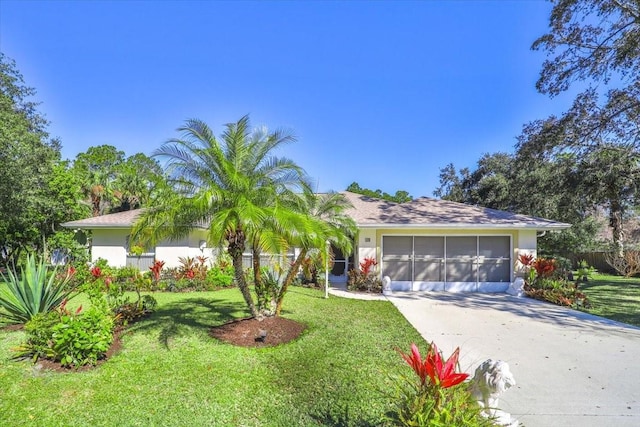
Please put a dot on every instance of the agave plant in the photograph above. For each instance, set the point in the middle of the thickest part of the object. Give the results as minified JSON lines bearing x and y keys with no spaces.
{"x":35,"y":290}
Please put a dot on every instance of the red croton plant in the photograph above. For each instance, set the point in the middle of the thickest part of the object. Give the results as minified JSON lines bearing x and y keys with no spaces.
{"x":156,"y":268}
{"x":367,"y":264}
{"x":544,"y":267}
{"x":441,"y":374}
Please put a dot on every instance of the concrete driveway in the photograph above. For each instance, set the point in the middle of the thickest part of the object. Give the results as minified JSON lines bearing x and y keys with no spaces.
{"x":571,"y":368}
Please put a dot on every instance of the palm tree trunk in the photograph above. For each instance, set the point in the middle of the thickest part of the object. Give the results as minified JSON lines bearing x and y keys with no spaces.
{"x":257,"y":281}
{"x":235,"y":250}
{"x":291,"y":274}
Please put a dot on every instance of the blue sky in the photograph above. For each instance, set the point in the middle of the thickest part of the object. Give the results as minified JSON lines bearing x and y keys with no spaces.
{"x":382,"y":93}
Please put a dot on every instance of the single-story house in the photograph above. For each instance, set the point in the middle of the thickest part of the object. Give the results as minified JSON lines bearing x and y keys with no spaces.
{"x":424,"y":244}
{"x":110,"y":240}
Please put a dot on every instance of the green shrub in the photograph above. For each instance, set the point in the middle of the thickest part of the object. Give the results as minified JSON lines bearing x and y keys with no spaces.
{"x":39,"y":331}
{"x":220,"y":277}
{"x":585,"y":271}
{"x":82,"y":274}
{"x":109,"y":297}
{"x":415,"y":407}
{"x":82,"y":339}
{"x":35,"y":290}
{"x":130,"y":311}
{"x":126,"y":275}
{"x":73,"y":339}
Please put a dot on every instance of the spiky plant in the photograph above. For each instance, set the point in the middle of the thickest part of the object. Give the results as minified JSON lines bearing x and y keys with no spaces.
{"x":34,"y":290}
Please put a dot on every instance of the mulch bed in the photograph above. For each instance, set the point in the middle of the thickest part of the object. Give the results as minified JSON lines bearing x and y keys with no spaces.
{"x":115,"y":347}
{"x":268,"y":332}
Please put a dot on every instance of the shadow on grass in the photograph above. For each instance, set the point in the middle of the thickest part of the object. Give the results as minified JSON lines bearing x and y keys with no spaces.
{"x":190,"y":315}
{"x":617,"y":300}
{"x":298,"y":290}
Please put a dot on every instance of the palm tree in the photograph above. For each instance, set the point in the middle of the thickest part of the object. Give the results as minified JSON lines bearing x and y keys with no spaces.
{"x":329,"y":223}
{"x":234,"y":184}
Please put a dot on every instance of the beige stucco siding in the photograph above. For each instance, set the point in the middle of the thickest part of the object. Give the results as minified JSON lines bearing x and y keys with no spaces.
{"x":527,"y":244}
{"x":110,"y":245}
{"x":367,"y":245}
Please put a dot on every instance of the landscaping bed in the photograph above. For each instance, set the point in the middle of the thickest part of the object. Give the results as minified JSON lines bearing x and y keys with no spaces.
{"x":170,"y":371}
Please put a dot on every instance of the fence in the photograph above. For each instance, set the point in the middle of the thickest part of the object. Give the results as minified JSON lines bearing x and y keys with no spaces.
{"x":267,"y":260}
{"x":596,"y":260}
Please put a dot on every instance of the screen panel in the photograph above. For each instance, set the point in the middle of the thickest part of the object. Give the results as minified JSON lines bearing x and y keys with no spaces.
{"x":494,"y":271}
{"x":461,"y":271}
{"x":495,"y":246}
{"x":462,"y":247}
{"x":397,"y":270}
{"x":429,"y":271}
{"x":428,"y":247}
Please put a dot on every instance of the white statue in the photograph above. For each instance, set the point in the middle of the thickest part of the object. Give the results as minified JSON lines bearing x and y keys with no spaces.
{"x":386,"y":285}
{"x":491,"y":379}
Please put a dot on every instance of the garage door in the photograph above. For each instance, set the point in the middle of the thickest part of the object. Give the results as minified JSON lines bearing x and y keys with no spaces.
{"x":452,"y":263}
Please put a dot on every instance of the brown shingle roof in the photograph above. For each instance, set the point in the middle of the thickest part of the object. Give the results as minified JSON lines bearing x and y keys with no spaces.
{"x":370,"y":212}
{"x":426,"y":212}
{"x":116,"y":220}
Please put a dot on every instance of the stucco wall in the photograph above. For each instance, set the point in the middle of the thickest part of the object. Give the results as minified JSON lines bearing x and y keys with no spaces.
{"x":367,"y":246}
{"x":527,"y":244}
{"x":192,"y":246}
{"x":110,"y":245}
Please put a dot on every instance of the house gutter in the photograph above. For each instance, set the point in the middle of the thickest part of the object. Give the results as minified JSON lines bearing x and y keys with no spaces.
{"x":537,"y":227}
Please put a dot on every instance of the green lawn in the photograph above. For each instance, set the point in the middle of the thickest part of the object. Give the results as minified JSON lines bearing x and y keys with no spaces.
{"x":171,"y":373}
{"x":614,"y":297}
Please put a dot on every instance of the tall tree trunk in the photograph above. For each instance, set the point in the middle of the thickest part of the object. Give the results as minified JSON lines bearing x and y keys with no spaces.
{"x":261,"y":292}
{"x":615,"y":222}
{"x":291,"y":274}
{"x":236,"y":248}
{"x":95,"y":205}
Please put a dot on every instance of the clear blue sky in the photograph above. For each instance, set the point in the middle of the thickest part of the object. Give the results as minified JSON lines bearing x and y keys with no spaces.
{"x":382,"y":93}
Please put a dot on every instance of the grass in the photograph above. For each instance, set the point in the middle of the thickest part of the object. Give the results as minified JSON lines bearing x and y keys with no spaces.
{"x":614,"y":297}
{"x":170,"y":372}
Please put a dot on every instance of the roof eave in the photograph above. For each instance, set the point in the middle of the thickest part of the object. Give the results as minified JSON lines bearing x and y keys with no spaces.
{"x":108,"y":226}
{"x":475,"y":226}
{"x":92,"y":226}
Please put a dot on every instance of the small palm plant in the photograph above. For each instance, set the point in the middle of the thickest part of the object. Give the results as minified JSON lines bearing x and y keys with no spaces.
{"x":35,"y":290}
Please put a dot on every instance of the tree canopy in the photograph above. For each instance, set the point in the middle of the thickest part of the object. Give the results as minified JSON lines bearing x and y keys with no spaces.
{"x":400,"y":196}
{"x":36,"y":193}
{"x":597,"y":43}
{"x":248,"y":198}
{"x":112,"y":182}
{"x":568,"y":166}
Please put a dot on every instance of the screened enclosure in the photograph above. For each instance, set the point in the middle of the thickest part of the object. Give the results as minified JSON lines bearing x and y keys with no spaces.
{"x":467,"y":259}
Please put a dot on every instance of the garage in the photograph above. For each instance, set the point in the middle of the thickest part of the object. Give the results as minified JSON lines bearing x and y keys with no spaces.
{"x":460,"y":263}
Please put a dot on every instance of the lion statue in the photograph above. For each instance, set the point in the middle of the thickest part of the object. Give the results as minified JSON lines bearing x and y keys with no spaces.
{"x":491,"y":379}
